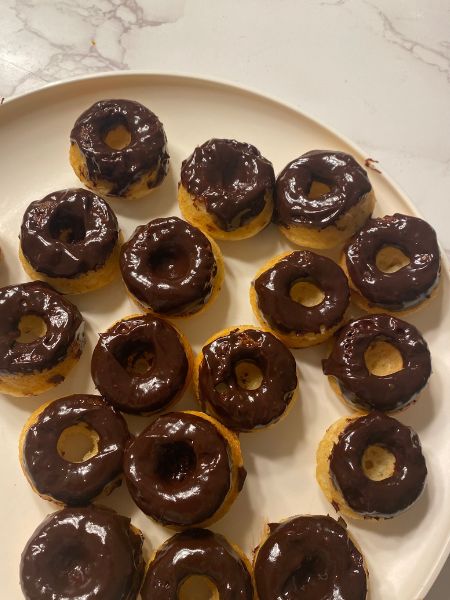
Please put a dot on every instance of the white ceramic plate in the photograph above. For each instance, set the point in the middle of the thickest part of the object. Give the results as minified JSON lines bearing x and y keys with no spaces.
{"x":404,"y":555}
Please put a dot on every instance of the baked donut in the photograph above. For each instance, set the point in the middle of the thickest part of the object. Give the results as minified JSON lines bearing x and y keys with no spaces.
{"x":198,"y":552}
{"x":322,"y":198}
{"x":378,"y":362}
{"x":41,"y":338}
{"x":119,"y":148}
{"x":141,"y":364}
{"x":171,"y":268}
{"x":393,"y":264}
{"x":309,"y":557}
{"x":83,"y":553}
{"x":245,"y":378}
{"x":370,"y":466}
{"x":226,"y":189}
{"x":301,"y":297}
{"x":184,"y":470}
{"x":70,"y":239}
{"x":44,"y":449}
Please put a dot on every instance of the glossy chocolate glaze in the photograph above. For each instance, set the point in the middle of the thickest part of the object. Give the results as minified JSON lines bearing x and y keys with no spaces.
{"x":347,"y":180}
{"x":75,"y":483}
{"x":114,"y":355}
{"x":281,"y":312}
{"x":407,"y":286}
{"x":89,"y":224}
{"x":147,"y":149}
{"x":389,"y":496}
{"x":169,"y":266}
{"x":64,"y":323}
{"x":197,"y":552}
{"x":309,"y":557}
{"x":178,"y":469}
{"x":231,"y":178}
{"x":236,"y":407}
{"x":83,"y":553}
{"x":388,"y":392}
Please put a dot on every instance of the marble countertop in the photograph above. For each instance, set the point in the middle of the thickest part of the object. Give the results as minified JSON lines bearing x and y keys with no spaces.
{"x":375,"y":70}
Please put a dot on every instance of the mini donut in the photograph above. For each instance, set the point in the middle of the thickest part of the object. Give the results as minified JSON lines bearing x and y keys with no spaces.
{"x":79,"y":553}
{"x":33,"y":367}
{"x":141,"y":364}
{"x":53,"y":474}
{"x":388,"y":284}
{"x":171,"y":268}
{"x":309,"y":557}
{"x":119,"y":148}
{"x":226,"y":189}
{"x":321,"y":304}
{"x":198,"y":552}
{"x":403,"y":376}
{"x":267,"y":393}
{"x":322,"y":198}
{"x":184,"y":470}
{"x":71,"y":240}
{"x":370,"y":466}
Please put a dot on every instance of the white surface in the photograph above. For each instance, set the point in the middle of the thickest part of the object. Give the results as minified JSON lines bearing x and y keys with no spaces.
{"x":403,"y":555}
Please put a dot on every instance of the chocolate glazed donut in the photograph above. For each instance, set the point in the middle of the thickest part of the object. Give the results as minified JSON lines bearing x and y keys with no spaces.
{"x":231,"y":178}
{"x":87,"y":553}
{"x":121,"y":167}
{"x":246,"y":409}
{"x":115,"y":363}
{"x":309,"y":557}
{"x":387,"y":497}
{"x":197,"y":552}
{"x":387,"y":393}
{"x":347,"y":180}
{"x":409,"y":285}
{"x":89,"y":224}
{"x":52,"y":475}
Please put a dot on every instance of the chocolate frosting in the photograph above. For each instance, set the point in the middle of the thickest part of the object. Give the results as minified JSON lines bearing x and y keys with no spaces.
{"x":169,"y":266}
{"x":178,"y":470}
{"x":407,"y":286}
{"x":347,"y":180}
{"x":309,"y":557}
{"x":197,"y":552}
{"x":118,"y":348}
{"x":389,"y":496}
{"x":64,"y":323}
{"x":230,"y":178}
{"x":83,"y":553}
{"x":281,"y":312}
{"x":146,"y":151}
{"x":75,"y":483}
{"x":238,"y":408}
{"x":90,"y":227}
{"x":388,"y":392}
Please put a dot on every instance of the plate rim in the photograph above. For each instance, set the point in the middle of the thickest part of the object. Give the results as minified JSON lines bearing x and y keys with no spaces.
{"x":223,"y":83}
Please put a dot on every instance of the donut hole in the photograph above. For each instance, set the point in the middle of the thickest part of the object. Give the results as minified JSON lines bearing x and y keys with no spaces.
{"x":169,"y":262}
{"x":175,"y":461}
{"x":78,"y":443}
{"x":306,"y":293}
{"x":31,"y":328}
{"x":136,"y":357}
{"x":70,"y":567}
{"x":382,"y":358}
{"x":67,"y":227}
{"x":318,"y":189}
{"x":391,"y":259}
{"x":117,"y":137}
{"x":248,"y":375}
{"x":378,"y":463}
{"x":198,"y":587}
{"x":312,"y":572}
